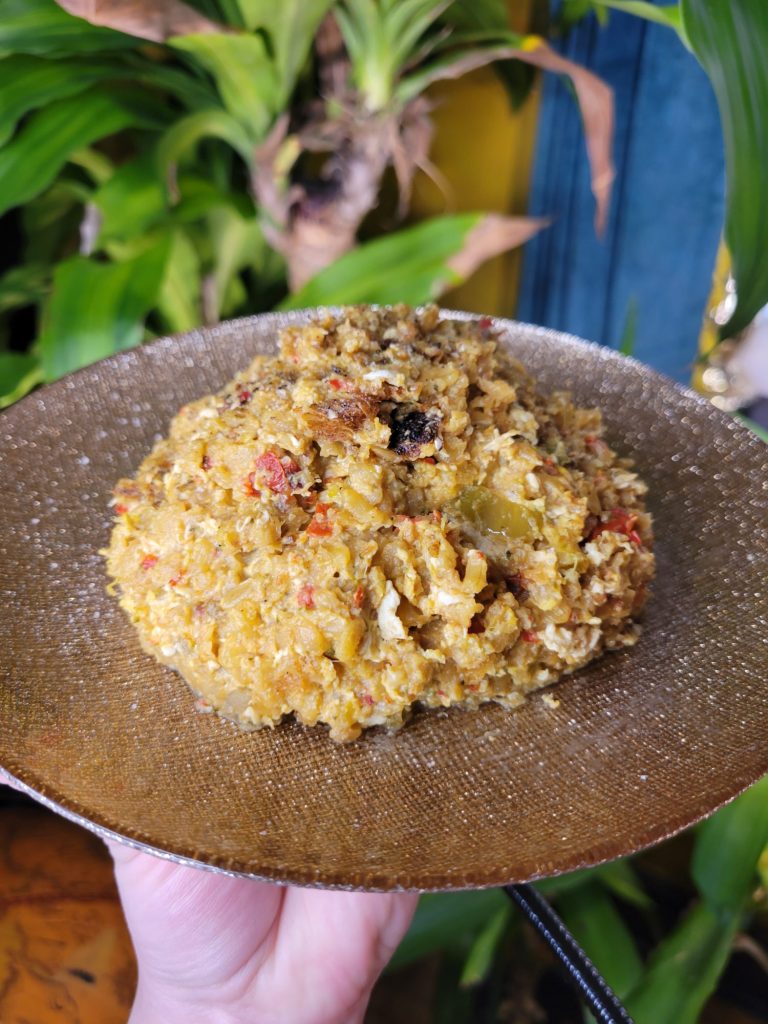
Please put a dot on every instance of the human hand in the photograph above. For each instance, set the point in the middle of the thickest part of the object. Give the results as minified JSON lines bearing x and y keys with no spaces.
{"x":218,"y":950}
{"x":233,"y":951}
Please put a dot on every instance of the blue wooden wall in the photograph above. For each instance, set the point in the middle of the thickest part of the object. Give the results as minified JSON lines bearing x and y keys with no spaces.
{"x":660,"y":245}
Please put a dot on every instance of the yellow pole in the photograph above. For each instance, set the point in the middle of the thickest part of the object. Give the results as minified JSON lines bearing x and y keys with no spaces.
{"x":484,"y":150}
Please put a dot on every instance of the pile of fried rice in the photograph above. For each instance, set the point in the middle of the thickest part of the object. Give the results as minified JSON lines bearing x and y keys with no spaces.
{"x":387,"y":513}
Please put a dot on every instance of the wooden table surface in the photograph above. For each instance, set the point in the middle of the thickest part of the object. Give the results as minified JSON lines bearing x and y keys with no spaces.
{"x":65,"y":953}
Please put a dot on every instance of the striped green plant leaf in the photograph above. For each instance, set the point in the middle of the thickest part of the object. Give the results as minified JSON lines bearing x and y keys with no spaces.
{"x":31,"y":161}
{"x":440,"y":917}
{"x":662,"y":14}
{"x":18,"y":374}
{"x":591,"y":915}
{"x":131,"y":200}
{"x":291,"y":26}
{"x":179,"y":301}
{"x":728,"y":846}
{"x":684,"y":969}
{"x":23,"y":285}
{"x":730,"y":39}
{"x":97,"y":308}
{"x":28,"y":83}
{"x":236,"y":243}
{"x":484,"y":949}
{"x":244,"y":74}
{"x":416,"y":264}
{"x":184,"y":135}
{"x":42,"y":27}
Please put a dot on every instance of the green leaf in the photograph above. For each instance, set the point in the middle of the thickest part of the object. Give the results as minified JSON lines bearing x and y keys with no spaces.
{"x":554,"y":887}
{"x":98,"y":308}
{"x":244,"y":75}
{"x":199,"y":196}
{"x":131,"y":200}
{"x":236,"y":243}
{"x":619,"y":877}
{"x":407,"y":266}
{"x":728,"y":846}
{"x":629,"y":334}
{"x":762,"y":868}
{"x":188,"y":131}
{"x":730,"y":40}
{"x":684,"y":969}
{"x":291,"y":27}
{"x":572,"y":11}
{"x":215,"y":9}
{"x":23,"y":286}
{"x":405,"y":24}
{"x":179,"y":301}
{"x":452,"y":1004}
{"x":440,"y":917}
{"x":32,"y":160}
{"x":761,"y":432}
{"x":27,"y":83}
{"x":194,"y":91}
{"x":42,"y":27}
{"x":18,"y":374}
{"x":479,"y":14}
{"x":381,"y":39}
{"x":481,"y":956}
{"x":416,"y":264}
{"x":665,"y":14}
{"x":51,"y":221}
{"x":96,"y":164}
{"x":592,"y":917}
{"x":230,"y":12}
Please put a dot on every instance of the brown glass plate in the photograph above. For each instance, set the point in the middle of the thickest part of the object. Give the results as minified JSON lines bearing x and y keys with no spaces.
{"x":644,"y":742}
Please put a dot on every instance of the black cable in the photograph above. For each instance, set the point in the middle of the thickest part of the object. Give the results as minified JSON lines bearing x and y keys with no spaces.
{"x":604,"y":1005}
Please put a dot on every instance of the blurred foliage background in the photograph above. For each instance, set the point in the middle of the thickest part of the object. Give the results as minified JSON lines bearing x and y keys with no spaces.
{"x":164,"y":166}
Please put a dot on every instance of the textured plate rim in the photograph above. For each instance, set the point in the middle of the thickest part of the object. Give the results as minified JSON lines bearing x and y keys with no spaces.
{"x":329,"y":881}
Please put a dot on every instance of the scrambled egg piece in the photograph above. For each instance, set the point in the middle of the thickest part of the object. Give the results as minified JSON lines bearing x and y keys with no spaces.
{"x":385,"y":513}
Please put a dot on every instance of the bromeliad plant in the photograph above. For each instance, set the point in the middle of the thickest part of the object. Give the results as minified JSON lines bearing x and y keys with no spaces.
{"x":168,"y":166}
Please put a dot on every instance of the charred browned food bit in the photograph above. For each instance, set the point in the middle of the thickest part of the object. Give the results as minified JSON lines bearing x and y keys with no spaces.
{"x":336,"y":420}
{"x":476,"y":625}
{"x":412,"y":429}
{"x":516,"y":586}
{"x":128,"y":490}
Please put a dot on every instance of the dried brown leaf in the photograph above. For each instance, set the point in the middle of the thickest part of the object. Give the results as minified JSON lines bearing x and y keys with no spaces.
{"x":143,"y":18}
{"x":494,"y":234}
{"x":409,"y":143}
{"x":597,"y":112}
{"x":595,"y":100}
